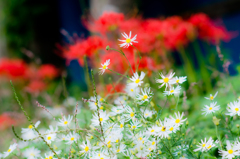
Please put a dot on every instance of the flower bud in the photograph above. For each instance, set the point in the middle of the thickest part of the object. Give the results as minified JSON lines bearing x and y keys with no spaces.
{"x":107,"y":48}
{"x":216,"y":120}
{"x":237,"y":125}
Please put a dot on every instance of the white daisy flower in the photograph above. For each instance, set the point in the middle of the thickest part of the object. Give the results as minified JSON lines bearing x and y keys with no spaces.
{"x":166,"y":80}
{"x":86,"y":148}
{"x":65,"y":121}
{"x":153,"y":130}
{"x":116,"y":110}
{"x":178,"y":80}
{"x":132,"y":90}
{"x":31,"y":153}
{"x":136,"y":79}
{"x":163,"y":131}
{"x":10,"y":150}
{"x":233,"y":108}
{"x":128,"y":41}
{"x":120,"y":101}
{"x":211,"y":96}
{"x":135,"y":124}
{"x":30,"y":127}
{"x":104,"y":67}
{"x":71,"y":137}
{"x":232,"y":151}
{"x":205,"y":145}
{"x":103,"y":118}
{"x":130,"y":114}
{"x":147,"y":113}
{"x":210,"y":109}
{"x":120,"y":149}
{"x":178,"y":120}
{"x":145,"y":96}
{"x":175,"y":91}
{"x":93,"y":104}
{"x":50,"y":137}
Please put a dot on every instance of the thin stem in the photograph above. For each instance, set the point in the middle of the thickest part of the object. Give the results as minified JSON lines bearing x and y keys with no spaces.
{"x":87,"y":76}
{"x":118,"y":73}
{"x":177,"y":103}
{"x":139,"y":57}
{"x":168,"y":150}
{"x":28,"y":118}
{"x":95,"y":94}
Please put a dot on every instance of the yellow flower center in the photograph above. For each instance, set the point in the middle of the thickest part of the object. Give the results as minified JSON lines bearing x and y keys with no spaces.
{"x":163,"y":128}
{"x":209,"y":146}
{"x":50,"y":157}
{"x":131,"y":114}
{"x":63,"y":138}
{"x":166,"y":80}
{"x":118,"y":110}
{"x":30,"y":127}
{"x":144,"y":97}
{"x":65,"y":122}
{"x":101,"y":107}
{"x":86,"y":148}
{"x":131,"y":90}
{"x":95,"y":103}
{"x":117,"y":141}
{"x":177,"y":81}
{"x":104,"y":67}
{"x":211,"y":97}
{"x":210,"y":108}
{"x":203,"y":145}
{"x":9,"y":150}
{"x":171,"y":129}
{"x":109,"y":145}
{"x":72,"y":138}
{"x":137,"y":81}
{"x":230,"y":151}
{"x":171,"y":91}
{"x":150,"y":149}
{"x":49,"y":137}
{"x":177,"y":121}
{"x":101,"y":158}
{"x":101,"y":99}
{"x":153,"y":143}
{"x":101,"y":119}
{"x":118,"y":150}
{"x":140,"y":138}
{"x":236,"y":109}
{"x":121,"y":125}
{"x":134,"y":127}
{"x":128,"y":40}
{"x":152,"y":130}
{"x":146,"y":114}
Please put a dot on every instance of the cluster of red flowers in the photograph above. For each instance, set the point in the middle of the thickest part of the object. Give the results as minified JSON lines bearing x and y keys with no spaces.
{"x":35,"y":78}
{"x":156,"y":37}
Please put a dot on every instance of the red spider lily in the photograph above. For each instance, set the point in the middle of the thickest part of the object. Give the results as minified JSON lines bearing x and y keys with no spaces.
{"x":35,"y":86}
{"x":13,"y":68}
{"x":88,"y":47}
{"x":109,"y":21}
{"x":47,"y":71}
{"x":114,"y":88}
{"x":7,"y":121}
{"x":207,"y":30}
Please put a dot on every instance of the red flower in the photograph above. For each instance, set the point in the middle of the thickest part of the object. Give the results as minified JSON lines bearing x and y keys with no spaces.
{"x":36,"y":86}
{"x":112,"y":88}
{"x":13,"y":68}
{"x":47,"y":71}
{"x":109,"y":21}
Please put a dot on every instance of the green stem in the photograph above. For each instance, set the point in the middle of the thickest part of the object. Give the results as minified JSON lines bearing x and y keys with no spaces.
{"x":139,"y":57}
{"x":87,"y":77}
{"x":118,"y":73}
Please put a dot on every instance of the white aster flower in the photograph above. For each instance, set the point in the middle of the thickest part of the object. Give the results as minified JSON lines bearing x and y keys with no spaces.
{"x":175,"y":91}
{"x":10,"y":150}
{"x":136,"y":79}
{"x":116,"y":110}
{"x":86,"y":148}
{"x":72,"y":137}
{"x":233,"y":108}
{"x":211,"y":96}
{"x":30,"y":127}
{"x":232,"y":151}
{"x":130,"y":114}
{"x":147,"y":113}
{"x":166,"y":80}
{"x":153,"y":130}
{"x":65,"y":121}
{"x":135,"y":124}
{"x":178,"y":119}
{"x":178,"y":80}
{"x":163,"y":132}
{"x":132,"y":90}
{"x":145,"y":96}
{"x":50,"y":137}
{"x":103,"y":118}
{"x":104,"y":67}
{"x":120,"y":100}
{"x":31,"y":153}
{"x":93,"y":104}
{"x":205,"y":145}
{"x":128,"y":41}
{"x":210,"y":109}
